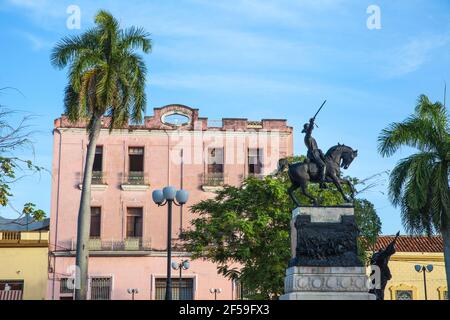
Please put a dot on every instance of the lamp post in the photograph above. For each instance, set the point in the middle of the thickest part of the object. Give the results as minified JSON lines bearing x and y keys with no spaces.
{"x":424,"y":269}
{"x":169,"y":196}
{"x":183,"y":265}
{"x":133,"y":292}
{"x":215,"y":291}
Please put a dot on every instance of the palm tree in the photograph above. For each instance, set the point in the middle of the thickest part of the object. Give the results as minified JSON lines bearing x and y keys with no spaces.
{"x":419,"y":184}
{"x":106,"y":78}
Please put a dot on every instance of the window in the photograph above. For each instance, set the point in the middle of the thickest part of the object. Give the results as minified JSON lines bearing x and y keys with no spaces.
{"x":215,"y":160}
{"x":176,"y":119}
{"x":186,"y":286}
{"x":214,"y":175}
{"x":95,"y":222}
{"x":98,"y":159}
{"x":11,"y":289}
{"x":101,"y":288}
{"x":6,"y":285}
{"x":66,"y":285}
{"x":97,"y":169}
{"x":238,"y":290}
{"x":443,"y":293}
{"x":136,"y":157}
{"x":255,"y":161}
{"x":134,"y":222}
{"x":66,"y":288}
{"x":403,"y":295}
{"x":136,"y":166}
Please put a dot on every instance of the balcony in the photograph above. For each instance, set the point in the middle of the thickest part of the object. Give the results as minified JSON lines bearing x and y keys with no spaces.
{"x":98,"y":177}
{"x":25,"y":238}
{"x":213,"y":181}
{"x":135,"y":181}
{"x":112,"y":245}
{"x":98,"y":181}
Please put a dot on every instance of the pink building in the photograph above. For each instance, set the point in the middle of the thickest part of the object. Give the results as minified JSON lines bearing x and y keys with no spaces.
{"x":128,"y":231}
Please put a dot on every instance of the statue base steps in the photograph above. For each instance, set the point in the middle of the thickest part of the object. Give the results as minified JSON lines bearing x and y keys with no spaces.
{"x":327,"y":296}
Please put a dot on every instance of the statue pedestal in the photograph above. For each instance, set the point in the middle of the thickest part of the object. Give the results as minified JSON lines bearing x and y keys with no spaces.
{"x":326,"y":283}
{"x":324,"y":264}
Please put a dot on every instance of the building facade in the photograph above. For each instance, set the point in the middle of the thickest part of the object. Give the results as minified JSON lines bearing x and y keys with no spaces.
{"x":406,"y":282}
{"x":173,"y":147}
{"x":24,"y":259}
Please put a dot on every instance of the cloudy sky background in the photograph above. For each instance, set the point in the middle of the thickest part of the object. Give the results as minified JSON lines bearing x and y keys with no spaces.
{"x":248,"y":58}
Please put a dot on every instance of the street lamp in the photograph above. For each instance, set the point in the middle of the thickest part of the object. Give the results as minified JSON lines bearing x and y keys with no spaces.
{"x":169,"y":196}
{"x":424,"y":269}
{"x":215,"y":291}
{"x":133,"y":292}
{"x":183,"y":265}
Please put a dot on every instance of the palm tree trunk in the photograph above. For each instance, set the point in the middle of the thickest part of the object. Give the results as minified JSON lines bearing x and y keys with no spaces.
{"x":446,"y":237}
{"x":84,"y":216}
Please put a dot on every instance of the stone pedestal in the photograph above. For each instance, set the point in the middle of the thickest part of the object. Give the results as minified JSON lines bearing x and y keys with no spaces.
{"x":324,"y":264}
{"x":326,"y":283}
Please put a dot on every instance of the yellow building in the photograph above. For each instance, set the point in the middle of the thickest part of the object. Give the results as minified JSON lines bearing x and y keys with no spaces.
{"x":23,"y":260}
{"x":406,"y":282}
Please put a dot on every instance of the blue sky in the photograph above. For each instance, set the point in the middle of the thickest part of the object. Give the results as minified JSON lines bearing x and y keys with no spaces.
{"x":248,"y":58}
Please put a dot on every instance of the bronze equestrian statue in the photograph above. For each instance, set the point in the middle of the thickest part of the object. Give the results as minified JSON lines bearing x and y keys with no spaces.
{"x":314,"y":154}
{"x":381,"y":260}
{"x":319,"y":168}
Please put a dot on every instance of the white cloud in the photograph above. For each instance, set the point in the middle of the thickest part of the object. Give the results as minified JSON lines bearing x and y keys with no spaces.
{"x":223,"y":82}
{"x":37,"y":43}
{"x":241,"y":83}
{"x":284,"y":12}
{"x":412,"y":55}
{"x":41,"y":8}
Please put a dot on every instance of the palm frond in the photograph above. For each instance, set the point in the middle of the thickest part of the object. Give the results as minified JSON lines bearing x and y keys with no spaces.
{"x":414,"y":132}
{"x":135,"y":38}
{"x":68,"y":48}
{"x":413,"y":172}
{"x":71,"y":104}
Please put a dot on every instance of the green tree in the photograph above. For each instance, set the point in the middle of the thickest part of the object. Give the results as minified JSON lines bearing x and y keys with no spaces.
{"x":369,"y":224}
{"x":419,"y":184}
{"x":106,"y":77}
{"x":250,"y":226}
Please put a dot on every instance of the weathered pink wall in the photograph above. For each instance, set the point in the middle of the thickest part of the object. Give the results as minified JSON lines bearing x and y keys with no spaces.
{"x":162,"y":165}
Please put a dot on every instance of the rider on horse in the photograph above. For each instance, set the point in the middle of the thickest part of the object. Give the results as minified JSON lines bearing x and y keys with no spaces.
{"x":314,"y":154}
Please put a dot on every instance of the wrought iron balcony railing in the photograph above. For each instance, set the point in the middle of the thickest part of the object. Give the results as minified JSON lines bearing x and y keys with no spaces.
{"x":136,"y":178}
{"x":99,"y":177}
{"x":214,"y":179}
{"x":98,"y":244}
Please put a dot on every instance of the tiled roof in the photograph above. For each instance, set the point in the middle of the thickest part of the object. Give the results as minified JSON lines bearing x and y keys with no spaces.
{"x":412,"y":243}
{"x":21,"y":224}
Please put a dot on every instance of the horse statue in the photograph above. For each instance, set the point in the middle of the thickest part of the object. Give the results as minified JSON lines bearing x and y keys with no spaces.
{"x":302,"y":173}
